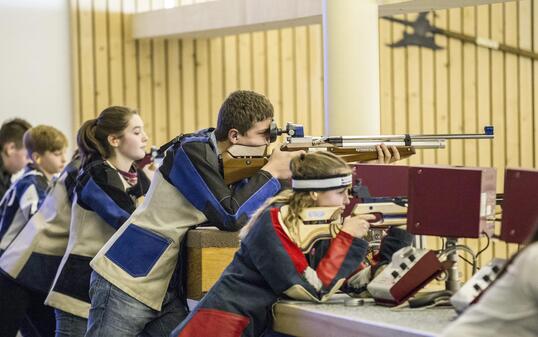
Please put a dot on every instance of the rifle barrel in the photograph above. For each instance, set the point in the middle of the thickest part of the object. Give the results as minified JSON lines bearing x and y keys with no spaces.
{"x":455,"y":136}
{"x":418,"y":141}
{"x":370,"y":145}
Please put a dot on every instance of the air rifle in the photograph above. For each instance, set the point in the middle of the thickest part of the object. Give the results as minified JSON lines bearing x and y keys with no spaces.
{"x":240,"y":161}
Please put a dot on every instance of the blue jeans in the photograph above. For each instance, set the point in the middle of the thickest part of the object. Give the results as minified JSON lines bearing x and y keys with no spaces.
{"x":69,"y":325}
{"x":114,"y":313}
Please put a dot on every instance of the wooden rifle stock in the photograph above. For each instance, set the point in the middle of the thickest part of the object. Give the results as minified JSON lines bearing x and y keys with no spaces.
{"x":240,"y":162}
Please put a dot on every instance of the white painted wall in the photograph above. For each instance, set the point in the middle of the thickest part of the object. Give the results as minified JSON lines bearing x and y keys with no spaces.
{"x":35,"y":63}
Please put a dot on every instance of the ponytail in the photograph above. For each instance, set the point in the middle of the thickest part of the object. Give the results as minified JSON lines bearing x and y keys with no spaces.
{"x":87,"y":142}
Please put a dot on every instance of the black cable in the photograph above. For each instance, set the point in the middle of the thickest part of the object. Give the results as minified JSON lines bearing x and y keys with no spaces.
{"x":487,"y":245}
{"x":469,"y":262}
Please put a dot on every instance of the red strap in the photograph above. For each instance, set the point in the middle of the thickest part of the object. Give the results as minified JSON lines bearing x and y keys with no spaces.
{"x":296,"y":255}
{"x":331,"y":263}
{"x":213,"y":322}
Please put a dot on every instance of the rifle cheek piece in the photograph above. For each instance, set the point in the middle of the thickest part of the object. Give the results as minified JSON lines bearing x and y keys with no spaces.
{"x":315,"y":224}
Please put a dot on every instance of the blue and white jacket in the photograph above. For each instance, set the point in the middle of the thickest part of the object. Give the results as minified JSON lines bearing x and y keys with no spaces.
{"x":188,"y":190}
{"x":19,"y":203}
{"x":35,"y":254}
{"x":103,"y":201}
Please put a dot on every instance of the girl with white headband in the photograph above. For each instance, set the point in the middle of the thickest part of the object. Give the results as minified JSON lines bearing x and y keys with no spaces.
{"x":270,"y":264}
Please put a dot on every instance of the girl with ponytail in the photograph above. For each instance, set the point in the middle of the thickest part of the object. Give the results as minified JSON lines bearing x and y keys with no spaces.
{"x":108,"y":189}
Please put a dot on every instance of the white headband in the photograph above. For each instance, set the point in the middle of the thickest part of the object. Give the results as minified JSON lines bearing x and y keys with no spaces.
{"x":322,"y":183}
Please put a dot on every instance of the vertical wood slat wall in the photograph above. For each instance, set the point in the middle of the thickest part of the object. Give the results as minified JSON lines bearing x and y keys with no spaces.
{"x":461,"y":88}
{"x":179,"y":84}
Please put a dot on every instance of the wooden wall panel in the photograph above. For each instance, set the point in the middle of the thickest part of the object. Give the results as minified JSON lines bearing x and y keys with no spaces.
{"x":273,"y":72}
{"x":244,"y":52}
{"x":75,"y":63}
{"x":101,"y":53}
{"x":130,"y":57}
{"x":483,"y":59}
{"x":173,"y":86}
{"x":216,"y":78}
{"x":534,"y":38}
{"x":201,"y":60}
{"x":287,"y":75}
{"x":414,"y":95}
{"x":526,"y":150}
{"x":399,"y":85}
{"x":178,"y":85}
{"x":259,"y":62}
{"x":513,"y":98}
{"x":427,"y":94}
{"x":115,"y":51}
{"x":441,"y":75}
{"x":455,"y":52}
{"x":302,"y":101}
{"x":315,"y":79}
{"x":188,"y":86}
{"x":386,"y":77}
{"x":87,"y":89}
{"x":159,"y":109}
